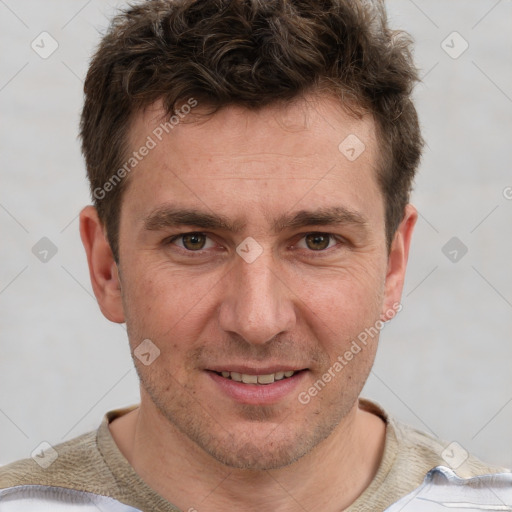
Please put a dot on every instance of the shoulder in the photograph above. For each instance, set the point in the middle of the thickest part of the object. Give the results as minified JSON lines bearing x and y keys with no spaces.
{"x":419,"y":451}
{"x":408,"y":455}
{"x":413,"y":452}
{"x":76,"y":464}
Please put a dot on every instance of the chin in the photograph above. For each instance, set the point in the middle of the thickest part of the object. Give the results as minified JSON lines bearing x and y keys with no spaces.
{"x":257,"y":456}
{"x":258,"y":446}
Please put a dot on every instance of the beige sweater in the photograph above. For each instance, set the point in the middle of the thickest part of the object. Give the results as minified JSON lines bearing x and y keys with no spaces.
{"x":92,"y":462}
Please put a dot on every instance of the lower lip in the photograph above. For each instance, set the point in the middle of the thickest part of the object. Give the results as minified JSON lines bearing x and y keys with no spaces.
{"x":258,"y":394}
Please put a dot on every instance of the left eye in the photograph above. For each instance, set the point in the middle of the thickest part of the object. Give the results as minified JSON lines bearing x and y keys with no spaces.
{"x":318,"y":241}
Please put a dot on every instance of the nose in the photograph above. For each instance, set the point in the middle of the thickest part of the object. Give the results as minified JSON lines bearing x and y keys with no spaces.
{"x":257,"y":302}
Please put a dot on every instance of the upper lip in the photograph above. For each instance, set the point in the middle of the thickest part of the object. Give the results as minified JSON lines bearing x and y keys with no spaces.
{"x":251,"y":370}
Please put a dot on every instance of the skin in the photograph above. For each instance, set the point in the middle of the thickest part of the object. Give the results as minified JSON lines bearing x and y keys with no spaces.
{"x":285,"y":308}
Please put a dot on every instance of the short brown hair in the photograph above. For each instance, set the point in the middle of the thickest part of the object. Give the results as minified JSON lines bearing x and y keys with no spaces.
{"x":251,"y":53}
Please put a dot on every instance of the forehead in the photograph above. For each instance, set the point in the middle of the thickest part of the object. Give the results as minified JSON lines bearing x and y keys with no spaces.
{"x":304,"y":126}
{"x":278,"y":154}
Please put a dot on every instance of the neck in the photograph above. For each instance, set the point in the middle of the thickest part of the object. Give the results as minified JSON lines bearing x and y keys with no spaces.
{"x":329,"y":478}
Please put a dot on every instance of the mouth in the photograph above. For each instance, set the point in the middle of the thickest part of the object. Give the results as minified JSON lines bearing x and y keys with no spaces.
{"x":262,"y":386}
{"x":264,"y":379}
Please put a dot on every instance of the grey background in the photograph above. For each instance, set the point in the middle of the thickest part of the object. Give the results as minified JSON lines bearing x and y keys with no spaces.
{"x":444,"y":362}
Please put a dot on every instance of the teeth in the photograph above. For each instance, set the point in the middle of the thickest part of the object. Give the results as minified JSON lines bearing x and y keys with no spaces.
{"x":266,"y":379}
{"x":257,"y":379}
{"x":249,"y":379}
{"x":236,"y":376}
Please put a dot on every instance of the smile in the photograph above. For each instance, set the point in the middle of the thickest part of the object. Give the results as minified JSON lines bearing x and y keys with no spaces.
{"x":256,"y":379}
{"x":262,"y":386}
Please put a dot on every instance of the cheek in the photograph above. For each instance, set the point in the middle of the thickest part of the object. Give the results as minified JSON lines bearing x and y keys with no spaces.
{"x":159,"y":296}
{"x":147,"y":311}
{"x":345,"y":297}
{"x":168,"y":308}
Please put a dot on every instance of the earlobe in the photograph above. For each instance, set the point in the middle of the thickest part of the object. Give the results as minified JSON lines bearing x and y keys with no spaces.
{"x":397,"y":263}
{"x":103,"y":269}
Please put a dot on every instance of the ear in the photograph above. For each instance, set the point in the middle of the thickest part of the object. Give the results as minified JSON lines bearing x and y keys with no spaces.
{"x":397,"y":263}
{"x":103,"y":269}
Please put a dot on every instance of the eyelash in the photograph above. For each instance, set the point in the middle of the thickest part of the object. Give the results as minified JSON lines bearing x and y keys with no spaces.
{"x":313,"y":254}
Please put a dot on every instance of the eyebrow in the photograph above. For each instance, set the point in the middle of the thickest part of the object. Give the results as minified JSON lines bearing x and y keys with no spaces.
{"x":168,"y":216}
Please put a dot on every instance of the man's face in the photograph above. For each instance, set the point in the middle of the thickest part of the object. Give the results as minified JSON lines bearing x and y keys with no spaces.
{"x":260,"y":294}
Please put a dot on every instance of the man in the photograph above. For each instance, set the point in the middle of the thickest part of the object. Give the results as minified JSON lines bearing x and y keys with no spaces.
{"x":250,"y":165}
